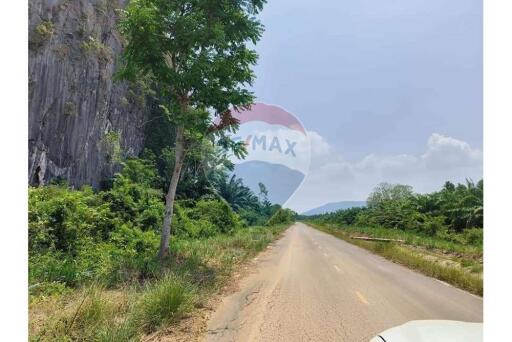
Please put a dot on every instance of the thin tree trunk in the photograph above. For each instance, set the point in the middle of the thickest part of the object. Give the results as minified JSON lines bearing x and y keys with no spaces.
{"x":171,"y":193}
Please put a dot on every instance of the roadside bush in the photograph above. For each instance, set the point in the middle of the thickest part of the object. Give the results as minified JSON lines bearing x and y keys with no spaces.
{"x":219,"y":213}
{"x":474,"y":236}
{"x":451,"y":236}
{"x":135,"y":195}
{"x":282,"y":216}
{"x":204,"y":218}
{"x":112,"y":236}
{"x":251,"y":217}
{"x":52,"y":267}
{"x":433,"y":225}
{"x":184,"y":226}
{"x":76,"y":236}
{"x":60,"y":218}
{"x":348,"y":216}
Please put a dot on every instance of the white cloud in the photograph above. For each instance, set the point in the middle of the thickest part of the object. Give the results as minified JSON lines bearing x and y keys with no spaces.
{"x":331,"y":178}
{"x":446,"y":152}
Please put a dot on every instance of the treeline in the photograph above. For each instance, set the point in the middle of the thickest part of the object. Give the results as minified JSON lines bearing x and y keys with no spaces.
{"x":454,"y":213}
{"x":80,"y":235}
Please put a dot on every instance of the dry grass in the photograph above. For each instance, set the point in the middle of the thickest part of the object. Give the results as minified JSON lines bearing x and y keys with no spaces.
{"x":454,"y":272}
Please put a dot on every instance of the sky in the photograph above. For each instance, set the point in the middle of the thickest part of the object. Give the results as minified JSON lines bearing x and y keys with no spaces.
{"x":387,"y":90}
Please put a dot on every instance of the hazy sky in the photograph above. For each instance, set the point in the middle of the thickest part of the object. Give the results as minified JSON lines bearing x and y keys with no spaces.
{"x":388,"y":90}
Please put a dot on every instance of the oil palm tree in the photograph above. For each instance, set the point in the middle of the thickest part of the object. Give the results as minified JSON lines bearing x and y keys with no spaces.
{"x":234,"y":192}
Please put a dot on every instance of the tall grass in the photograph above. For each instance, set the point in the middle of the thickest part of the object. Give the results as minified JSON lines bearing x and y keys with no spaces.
{"x":411,"y":238}
{"x":98,"y":313}
{"x":456,"y":276}
{"x":164,"y":302}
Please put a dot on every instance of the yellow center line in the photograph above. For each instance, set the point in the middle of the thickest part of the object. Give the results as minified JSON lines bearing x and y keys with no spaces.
{"x":361,"y":298}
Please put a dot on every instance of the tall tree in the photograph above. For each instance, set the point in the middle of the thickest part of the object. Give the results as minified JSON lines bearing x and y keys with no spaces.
{"x":197,"y":54}
{"x":385,"y":192}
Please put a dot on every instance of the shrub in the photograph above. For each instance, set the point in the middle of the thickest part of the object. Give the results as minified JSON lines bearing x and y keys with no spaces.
{"x":219,"y":213}
{"x":48,"y":289}
{"x":41,"y":34}
{"x":204,"y":218}
{"x":52,"y":267}
{"x":348,"y":216}
{"x":76,"y":236}
{"x":433,"y":225}
{"x":282,"y":216}
{"x":474,"y":236}
{"x":252,"y":217}
{"x":93,"y":47}
{"x":60,"y":218}
{"x":136,"y":196}
{"x":111,"y":236}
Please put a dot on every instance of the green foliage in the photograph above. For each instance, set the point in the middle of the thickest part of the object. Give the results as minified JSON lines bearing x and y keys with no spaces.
{"x":77,"y":236}
{"x":112,"y":143}
{"x":386,"y":192}
{"x":454,"y":214}
{"x":282,"y":216}
{"x":197,"y":47}
{"x":217,"y":212}
{"x":237,"y":194}
{"x":253,"y":210}
{"x":60,"y":217}
{"x":197,"y":56}
{"x":187,"y":227}
{"x":135,"y":196}
{"x":474,"y":236}
{"x":204,"y":218}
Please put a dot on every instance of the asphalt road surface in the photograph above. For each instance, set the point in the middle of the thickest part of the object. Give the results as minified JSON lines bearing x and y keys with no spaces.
{"x":311,"y":286}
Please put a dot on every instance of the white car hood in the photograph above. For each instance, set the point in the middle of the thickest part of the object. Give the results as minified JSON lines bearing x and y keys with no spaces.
{"x":433,"y":331}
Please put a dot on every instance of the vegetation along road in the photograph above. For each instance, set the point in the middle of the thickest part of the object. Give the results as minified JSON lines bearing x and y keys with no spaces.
{"x":313,"y":286}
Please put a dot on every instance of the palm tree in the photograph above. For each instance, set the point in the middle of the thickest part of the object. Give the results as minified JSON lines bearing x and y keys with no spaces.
{"x":236,"y":193}
{"x":463,"y":205}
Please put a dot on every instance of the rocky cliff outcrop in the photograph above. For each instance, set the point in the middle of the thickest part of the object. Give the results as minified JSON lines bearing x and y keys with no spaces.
{"x":81,"y":122}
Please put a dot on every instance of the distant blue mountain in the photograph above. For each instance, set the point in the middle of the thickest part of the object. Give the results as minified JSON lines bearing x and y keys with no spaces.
{"x":330,"y":207}
{"x":280,"y":181}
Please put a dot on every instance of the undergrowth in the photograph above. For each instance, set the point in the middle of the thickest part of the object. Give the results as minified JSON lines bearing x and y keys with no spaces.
{"x":95,"y":312}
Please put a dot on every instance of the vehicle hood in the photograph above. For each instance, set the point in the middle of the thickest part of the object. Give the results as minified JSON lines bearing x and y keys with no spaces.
{"x":433,"y":331}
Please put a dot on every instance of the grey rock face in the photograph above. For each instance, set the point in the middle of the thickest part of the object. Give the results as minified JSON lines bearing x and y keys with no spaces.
{"x":81,"y":122}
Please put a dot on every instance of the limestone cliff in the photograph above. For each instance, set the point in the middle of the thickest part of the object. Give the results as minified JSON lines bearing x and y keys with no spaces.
{"x":81,"y":122}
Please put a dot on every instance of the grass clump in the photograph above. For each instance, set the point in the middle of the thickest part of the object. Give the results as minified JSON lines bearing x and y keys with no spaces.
{"x":164,"y":302}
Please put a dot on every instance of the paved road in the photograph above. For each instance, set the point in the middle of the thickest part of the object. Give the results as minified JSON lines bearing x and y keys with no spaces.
{"x":311,"y":286}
